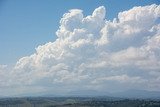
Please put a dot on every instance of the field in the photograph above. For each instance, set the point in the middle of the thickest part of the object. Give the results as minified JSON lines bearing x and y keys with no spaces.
{"x":76,"y":102}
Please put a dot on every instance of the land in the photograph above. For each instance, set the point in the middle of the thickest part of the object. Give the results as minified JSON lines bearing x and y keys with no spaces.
{"x":77,"y":102}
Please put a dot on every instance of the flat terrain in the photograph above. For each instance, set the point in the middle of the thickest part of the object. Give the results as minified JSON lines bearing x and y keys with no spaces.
{"x":76,"y":102}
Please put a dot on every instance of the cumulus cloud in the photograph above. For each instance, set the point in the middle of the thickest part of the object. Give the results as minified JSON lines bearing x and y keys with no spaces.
{"x":92,"y":53}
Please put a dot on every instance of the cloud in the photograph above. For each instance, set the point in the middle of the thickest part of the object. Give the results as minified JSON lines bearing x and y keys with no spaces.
{"x":92,"y":52}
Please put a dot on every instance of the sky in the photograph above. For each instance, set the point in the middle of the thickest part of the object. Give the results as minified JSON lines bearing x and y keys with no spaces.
{"x":25,"y":24}
{"x":59,"y":46}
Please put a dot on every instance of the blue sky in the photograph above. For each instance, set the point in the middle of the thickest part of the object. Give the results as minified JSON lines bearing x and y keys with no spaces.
{"x":25,"y":24}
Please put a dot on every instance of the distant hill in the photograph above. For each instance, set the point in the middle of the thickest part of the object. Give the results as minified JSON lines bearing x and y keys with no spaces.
{"x":137,"y":94}
{"x":142,"y":94}
{"x":87,"y":93}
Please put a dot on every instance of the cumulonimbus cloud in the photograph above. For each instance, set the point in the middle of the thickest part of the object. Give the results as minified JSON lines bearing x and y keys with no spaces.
{"x":94,"y":53}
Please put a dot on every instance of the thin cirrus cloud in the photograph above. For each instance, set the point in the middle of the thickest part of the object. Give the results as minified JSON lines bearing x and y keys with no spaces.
{"x":94,"y":53}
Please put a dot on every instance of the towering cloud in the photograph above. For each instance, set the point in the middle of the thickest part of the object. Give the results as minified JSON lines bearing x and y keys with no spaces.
{"x":94,"y":53}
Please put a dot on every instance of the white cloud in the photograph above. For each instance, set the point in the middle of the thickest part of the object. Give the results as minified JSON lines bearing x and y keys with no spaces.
{"x":90,"y":49}
{"x":120,"y":78}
